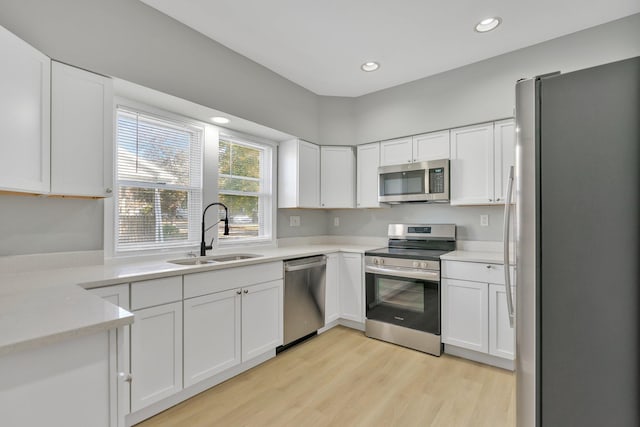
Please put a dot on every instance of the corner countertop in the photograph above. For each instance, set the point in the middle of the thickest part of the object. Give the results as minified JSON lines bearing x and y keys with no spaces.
{"x":42,"y":307}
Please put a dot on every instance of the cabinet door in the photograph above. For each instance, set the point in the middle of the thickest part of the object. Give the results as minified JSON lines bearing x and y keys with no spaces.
{"x":337,"y":174}
{"x":211,"y":335}
{"x":261,"y":318}
{"x":505,"y":156}
{"x":431,"y":146}
{"x":24,"y":116}
{"x":119,"y":295}
{"x":396,"y":151}
{"x":308,"y":175}
{"x":331,"y":305}
{"x":156,"y":354}
{"x":81,"y":132}
{"x":501,"y":334}
{"x":472,"y":165}
{"x":368,"y":160}
{"x":464,"y":314}
{"x":351,"y":287}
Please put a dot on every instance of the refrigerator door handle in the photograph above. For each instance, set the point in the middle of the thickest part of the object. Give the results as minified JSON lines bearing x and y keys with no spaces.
{"x":507,"y":275}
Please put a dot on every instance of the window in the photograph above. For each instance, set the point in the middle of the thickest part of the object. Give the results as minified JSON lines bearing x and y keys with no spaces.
{"x":244,"y":186}
{"x":159,"y":182}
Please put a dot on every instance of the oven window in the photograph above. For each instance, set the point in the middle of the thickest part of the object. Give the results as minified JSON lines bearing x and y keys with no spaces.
{"x":401,"y":294}
{"x":411,"y":303}
{"x":398,"y":183}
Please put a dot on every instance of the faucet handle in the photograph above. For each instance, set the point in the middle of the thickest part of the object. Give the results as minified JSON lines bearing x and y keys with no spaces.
{"x":191,"y":254}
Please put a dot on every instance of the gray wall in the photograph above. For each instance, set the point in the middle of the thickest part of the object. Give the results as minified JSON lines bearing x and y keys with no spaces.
{"x":130,"y":40}
{"x":373,"y":222}
{"x":32,"y":225}
{"x":313,"y":222}
{"x":127,"y":39}
{"x":484,"y":91}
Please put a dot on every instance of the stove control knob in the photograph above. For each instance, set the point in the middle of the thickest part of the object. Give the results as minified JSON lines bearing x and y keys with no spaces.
{"x":381,"y":261}
{"x":423,"y":264}
{"x":375,"y":261}
{"x":416,"y":264}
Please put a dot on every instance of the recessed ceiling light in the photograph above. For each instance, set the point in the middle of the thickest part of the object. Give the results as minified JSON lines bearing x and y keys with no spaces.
{"x":370,"y":66}
{"x":488,"y":24}
{"x":220,"y":120}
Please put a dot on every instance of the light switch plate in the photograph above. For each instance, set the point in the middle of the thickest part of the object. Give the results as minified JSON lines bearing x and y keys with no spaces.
{"x":336,"y":221}
{"x":294,"y":221}
{"x":484,"y":220}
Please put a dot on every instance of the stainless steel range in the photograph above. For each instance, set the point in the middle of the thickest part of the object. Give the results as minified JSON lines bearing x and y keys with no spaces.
{"x":403,"y":285}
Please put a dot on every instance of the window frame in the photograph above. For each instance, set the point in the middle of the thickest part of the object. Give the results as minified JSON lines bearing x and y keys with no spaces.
{"x":209,"y":174}
{"x":268,"y":180}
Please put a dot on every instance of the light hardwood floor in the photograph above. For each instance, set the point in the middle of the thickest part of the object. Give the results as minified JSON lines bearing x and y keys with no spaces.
{"x":342,"y":378}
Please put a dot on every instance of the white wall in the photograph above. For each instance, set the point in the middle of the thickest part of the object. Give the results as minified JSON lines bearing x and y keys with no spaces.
{"x":336,"y":120}
{"x":484,"y":91}
{"x":313,"y":222}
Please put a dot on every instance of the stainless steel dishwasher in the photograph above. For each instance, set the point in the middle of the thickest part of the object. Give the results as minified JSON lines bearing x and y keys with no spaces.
{"x":304,"y":289}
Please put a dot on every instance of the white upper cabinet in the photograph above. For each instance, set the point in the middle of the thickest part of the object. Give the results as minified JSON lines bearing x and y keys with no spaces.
{"x":431,"y":146}
{"x":338,"y":175}
{"x":481,"y":156}
{"x":505,"y":156}
{"x":368,"y":160}
{"x":24,"y":116}
{"x":412,"y":149}
{"x":472,"y":165}
{"x":396,"y":151}
{"x":81,"y":132}
{"x":298,"y":174}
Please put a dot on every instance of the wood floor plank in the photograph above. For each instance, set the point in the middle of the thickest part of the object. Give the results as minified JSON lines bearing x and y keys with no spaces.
{"x":342,"y":378}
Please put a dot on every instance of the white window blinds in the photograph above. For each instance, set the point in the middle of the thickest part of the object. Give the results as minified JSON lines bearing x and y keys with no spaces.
{"x":159,"y":180}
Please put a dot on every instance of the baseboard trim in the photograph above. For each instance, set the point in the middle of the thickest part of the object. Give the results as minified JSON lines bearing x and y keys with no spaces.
{"x":487,"y":359}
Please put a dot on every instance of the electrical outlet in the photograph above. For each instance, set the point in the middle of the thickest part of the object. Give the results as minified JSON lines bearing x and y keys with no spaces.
{"x":336,"y":222}
{"x":484,"y":220}
{"x":294,"y":221}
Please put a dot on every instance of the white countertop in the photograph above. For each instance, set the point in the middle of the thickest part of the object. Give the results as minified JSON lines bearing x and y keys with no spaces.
{"x":39,"y":308}
{"x":476,"y":256}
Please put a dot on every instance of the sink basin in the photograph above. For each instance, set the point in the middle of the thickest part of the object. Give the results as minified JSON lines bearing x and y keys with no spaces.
{"x":212,"y":259}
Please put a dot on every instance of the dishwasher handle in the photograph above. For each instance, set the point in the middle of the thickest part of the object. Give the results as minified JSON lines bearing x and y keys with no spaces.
{"x":298,"y":265}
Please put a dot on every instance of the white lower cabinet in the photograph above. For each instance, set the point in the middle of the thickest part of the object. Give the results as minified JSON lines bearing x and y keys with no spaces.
{"x":332,"y":304}
{"x":119,"y":295}
{"x":464,"y":314}
{"x":211,"y":335}
{"x":262,"y":314}
{"x":501,"y":335}
{"x":351,"y":287}
{"x":156,"y":354}
{"x":474,"y":310}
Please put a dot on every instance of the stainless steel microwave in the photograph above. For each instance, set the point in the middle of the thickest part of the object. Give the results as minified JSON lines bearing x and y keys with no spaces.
{"x":414,"y":182}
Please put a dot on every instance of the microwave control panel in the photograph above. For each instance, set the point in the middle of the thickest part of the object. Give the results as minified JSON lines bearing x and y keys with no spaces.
{"x":436,"y":180}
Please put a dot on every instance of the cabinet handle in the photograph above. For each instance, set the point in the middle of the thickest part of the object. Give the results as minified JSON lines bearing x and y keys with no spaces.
{"x":498,"y":199}
{"x":491,"y":200}
{"x":108,"y":190}
{"x":239,"y":292}
{"x":246,"y":291}
{"x":488,"y":266}
{"x":125,"y":377}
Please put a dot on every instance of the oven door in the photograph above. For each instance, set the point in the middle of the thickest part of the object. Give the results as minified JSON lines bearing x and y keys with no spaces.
{"x":404,"y":297}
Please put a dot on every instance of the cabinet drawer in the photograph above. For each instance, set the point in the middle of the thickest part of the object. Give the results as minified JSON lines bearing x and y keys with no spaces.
{"x":155,"y":292}
{"x":475,"y":271}
{"x":221,"y":280}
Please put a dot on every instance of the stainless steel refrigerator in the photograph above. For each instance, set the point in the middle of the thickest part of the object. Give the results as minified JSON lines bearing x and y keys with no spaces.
{"x":577,"y":192}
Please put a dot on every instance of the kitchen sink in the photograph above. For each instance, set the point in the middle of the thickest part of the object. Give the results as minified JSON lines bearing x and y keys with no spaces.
{"x":212,"y":259}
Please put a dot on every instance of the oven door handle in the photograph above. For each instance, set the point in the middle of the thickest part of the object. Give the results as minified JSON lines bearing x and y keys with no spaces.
{"x":411,"y":274}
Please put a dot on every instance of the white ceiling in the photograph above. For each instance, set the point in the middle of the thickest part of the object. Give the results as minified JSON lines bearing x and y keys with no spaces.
{"x":320,"y":44}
